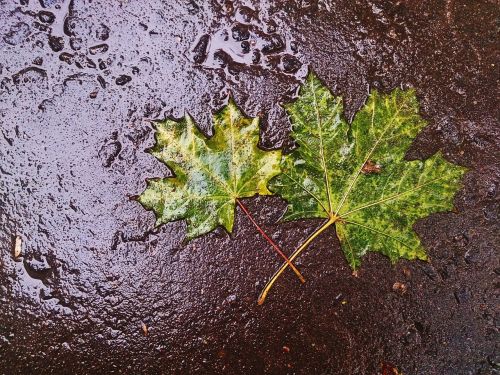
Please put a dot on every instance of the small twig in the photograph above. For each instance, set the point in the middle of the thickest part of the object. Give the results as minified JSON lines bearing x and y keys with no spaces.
{"x":268,"y":239}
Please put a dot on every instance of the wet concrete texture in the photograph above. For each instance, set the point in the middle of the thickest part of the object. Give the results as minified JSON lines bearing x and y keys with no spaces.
{"x":95,"y":288}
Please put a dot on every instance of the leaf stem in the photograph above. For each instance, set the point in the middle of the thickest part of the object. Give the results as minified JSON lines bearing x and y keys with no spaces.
{"x":268,"y":239}
{"x":295,"y":254}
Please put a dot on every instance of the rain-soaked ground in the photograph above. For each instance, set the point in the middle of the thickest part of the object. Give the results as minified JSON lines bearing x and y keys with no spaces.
{"x":78,"y":81}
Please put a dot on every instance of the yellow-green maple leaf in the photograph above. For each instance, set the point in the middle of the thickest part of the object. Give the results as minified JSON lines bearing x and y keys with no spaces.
{"x":210,"y":174}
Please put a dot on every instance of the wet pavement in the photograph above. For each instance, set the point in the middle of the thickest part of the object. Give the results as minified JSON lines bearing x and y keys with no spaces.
{"x":88,"y":285}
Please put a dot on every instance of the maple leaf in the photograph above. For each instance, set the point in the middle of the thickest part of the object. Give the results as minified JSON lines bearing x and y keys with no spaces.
{"x":357,"y":177}
{"x":210,"y":174}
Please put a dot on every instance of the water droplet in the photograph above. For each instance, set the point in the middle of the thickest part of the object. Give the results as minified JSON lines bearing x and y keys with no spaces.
{"x":30,"y":75}
{"x":123,"y":80}
{"x":245,"y":46}
{"x":98,"y":49}
{"x":51,"y":3}
{"x":37,"y":268}
{"x":232,"y":299}
{"x":255,"y":57}
{"x":76,"y":44}
{"x":102,"y":32}
{"x":290,"y":64}
{"x":101,"y":81}
{"x":17,"y":34}
{"x":90,"y":64}
{"x":56,"y":43}
{"x":199,"y":52}
{"x":192,"y":7}
{"x":66,"y":57}
{"x":46,"y":17}
{"x":271,"y":43}
{"x":109,"y":152}
{"x":240,"y":32}
{"x":66,"y":346}
{"x":245,"y":14}
{"x":38,"y":61}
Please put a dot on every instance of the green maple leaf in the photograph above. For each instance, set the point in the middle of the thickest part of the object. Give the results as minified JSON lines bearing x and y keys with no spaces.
{"x":357,"y":176}
{"x":210,"y":174}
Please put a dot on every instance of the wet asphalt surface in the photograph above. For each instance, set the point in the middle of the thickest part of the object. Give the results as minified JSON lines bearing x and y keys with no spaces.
{"x":79,"y":81}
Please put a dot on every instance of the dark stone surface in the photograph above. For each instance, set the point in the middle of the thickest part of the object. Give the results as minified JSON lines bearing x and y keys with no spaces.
{"x":94,"y":270}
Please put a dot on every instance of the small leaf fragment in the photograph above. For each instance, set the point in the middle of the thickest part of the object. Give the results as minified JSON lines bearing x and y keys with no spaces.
{"x":18,"y":245}
{"x":370,"y":167}
{"x":145,"y":329}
